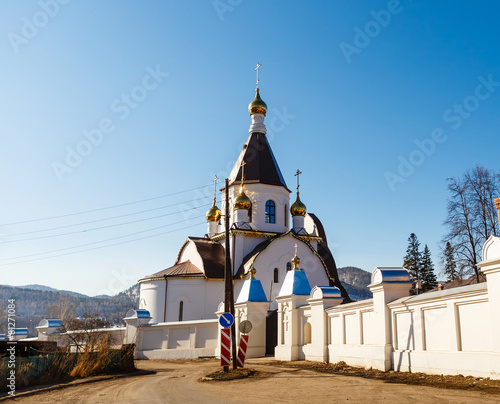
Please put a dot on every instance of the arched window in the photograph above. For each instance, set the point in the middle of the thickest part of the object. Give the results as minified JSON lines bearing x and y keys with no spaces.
{"x":276,"y":275}
{"x":270,"y":212}
{"x":286,"y":215}
{"x":288,"y":266}
{"x":181,"y":309}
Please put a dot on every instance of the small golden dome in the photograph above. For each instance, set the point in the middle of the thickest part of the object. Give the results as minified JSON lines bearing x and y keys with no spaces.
{"x":213,"y":214}
{"x":298,"y":208}
{"x":296,"y":262}
{"x":252,"y":272}
{"x":242,"y":201}
{"x":257,"y":106}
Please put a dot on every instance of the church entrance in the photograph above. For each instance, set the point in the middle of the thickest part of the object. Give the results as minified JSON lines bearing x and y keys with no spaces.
{"x":271,"y":331}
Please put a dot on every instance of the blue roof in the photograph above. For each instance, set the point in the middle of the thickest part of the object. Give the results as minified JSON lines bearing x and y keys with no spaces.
{"x":50,"y":322}
{"x":295,"y":283}
{"x":252,"y":291}
{"x":139,"y":313}
{"x":330,"y":292}
{"x":20,"y":331}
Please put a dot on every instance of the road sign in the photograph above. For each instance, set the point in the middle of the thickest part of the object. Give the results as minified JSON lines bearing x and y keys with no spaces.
{"x":226,"y":320}
{"x":225,"y":347}
{"x":242,"y":352}
{"x":245,"y":327}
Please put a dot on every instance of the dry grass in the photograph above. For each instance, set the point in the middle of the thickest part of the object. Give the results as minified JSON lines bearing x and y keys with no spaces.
{"x":65,"y":366}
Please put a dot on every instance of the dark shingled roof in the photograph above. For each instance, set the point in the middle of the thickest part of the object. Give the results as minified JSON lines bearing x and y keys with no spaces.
{"x":252,"y":255}
{"x":261,"y":166}
{"x":327,"y":256}
{"x":186,"y":268}
{"x":212,"y":255}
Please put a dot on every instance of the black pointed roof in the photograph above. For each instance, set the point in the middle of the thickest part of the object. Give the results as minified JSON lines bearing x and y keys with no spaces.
{"x":261,"y":166}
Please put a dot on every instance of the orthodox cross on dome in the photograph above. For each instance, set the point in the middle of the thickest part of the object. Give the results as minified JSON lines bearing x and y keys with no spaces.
{"x":215,"y":186}
{"x":297,"y":174}
{"x":243,"y":164}
{"x":257,"y":70}
{"x":295,"y":249}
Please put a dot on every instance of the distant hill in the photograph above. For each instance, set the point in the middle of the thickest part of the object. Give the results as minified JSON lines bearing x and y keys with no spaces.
{"x":355,"y":281}
{"x":33,"y":302}
{"x":49,"y":289}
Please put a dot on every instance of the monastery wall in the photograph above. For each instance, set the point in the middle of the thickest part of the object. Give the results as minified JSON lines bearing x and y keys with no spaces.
{"x":177,"y":340}
{"x":452,"y":331}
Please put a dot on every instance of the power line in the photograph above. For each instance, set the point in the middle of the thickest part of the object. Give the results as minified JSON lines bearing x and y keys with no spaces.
{"x":97,"y":242}
{"x":105,"y":246}
{"x":100,"y":220}
{"x":99,"y":228}
{"x":107,"y":207}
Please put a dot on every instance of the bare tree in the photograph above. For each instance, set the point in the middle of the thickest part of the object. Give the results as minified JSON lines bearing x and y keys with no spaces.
{"x":471,"y":217}
{"x":86,"y":333}
{"x":64,"y":310}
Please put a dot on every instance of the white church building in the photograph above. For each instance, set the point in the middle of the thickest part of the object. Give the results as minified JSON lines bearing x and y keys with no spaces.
{"x":265,"y":228}
{"x":297,"y":306}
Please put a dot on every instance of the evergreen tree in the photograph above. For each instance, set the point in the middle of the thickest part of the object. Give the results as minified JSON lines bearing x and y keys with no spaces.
{"x":450,"y":266}
{"x":412,"y":260}
{"x":427,"y":275}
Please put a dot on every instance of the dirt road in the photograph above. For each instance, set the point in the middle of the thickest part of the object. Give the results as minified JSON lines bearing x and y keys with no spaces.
{"x":177,"y":382}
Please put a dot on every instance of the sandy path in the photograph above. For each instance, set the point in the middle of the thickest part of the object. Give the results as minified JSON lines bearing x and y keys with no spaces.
{"x":178,"y":383}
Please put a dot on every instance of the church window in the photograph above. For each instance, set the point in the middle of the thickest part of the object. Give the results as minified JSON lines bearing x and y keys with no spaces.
{"x":270,"y":212}
{"x":276,"y":275}
{"x":288,"y":266}
{"x":286,"y":215}
{"x":181,"y":310}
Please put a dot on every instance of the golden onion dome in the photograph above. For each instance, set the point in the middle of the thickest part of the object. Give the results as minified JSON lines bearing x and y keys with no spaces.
{"x":242,"y":201}
{"x":257,"y":106}
{"x":296,"y":262}
{"x":213,"y":214}
{"x":298,"y":208}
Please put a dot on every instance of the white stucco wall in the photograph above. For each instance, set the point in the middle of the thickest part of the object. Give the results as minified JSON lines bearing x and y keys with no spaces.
{"x":441,"y":332}
{"x":259,"y":194}
{"x":191,"y":253}
{"x":200,"y":298}
{"x":176,"y":340}
{"x":280,"y":252}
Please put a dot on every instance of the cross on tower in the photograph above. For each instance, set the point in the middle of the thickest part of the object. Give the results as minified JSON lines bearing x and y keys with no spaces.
{"x":215,"y":186}
{"x":295,"y":249}
{"x":243,"y":164}
{"x":257,"y":70}
{"x":297,"y":174}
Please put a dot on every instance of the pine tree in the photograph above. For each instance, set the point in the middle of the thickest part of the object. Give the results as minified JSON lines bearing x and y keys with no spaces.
{"x":450,"y":266}
{"x":412,"y":260}
{"x":428,"y":277}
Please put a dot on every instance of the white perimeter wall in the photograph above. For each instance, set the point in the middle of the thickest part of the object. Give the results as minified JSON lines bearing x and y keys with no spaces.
{"x":177,"y":340}
{"x":442,"y":332}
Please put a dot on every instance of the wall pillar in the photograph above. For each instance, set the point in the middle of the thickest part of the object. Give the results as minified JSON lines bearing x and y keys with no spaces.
{"x":134,"y":320}
{"x":387,"y":285}
{"x":322,"y":298}
{"x":256,"y":313}
{"x":289,"y":327}
{"x":490,"y":266}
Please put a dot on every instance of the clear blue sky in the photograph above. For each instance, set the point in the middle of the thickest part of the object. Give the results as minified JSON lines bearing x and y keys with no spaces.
{"x":349,"y":95}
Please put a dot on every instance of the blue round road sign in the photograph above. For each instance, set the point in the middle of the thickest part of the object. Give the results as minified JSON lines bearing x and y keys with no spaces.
{"x":226,"y":320}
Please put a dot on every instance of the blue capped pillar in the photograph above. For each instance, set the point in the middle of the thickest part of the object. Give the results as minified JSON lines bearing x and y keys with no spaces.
{"x":252,"y":305}
{"x":293,"y":295}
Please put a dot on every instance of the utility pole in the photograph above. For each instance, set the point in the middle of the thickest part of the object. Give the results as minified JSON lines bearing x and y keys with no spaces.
{"x":228,"y":281}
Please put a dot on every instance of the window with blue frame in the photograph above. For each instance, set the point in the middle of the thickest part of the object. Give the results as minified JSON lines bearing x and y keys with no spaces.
{"x":270,"y":212}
